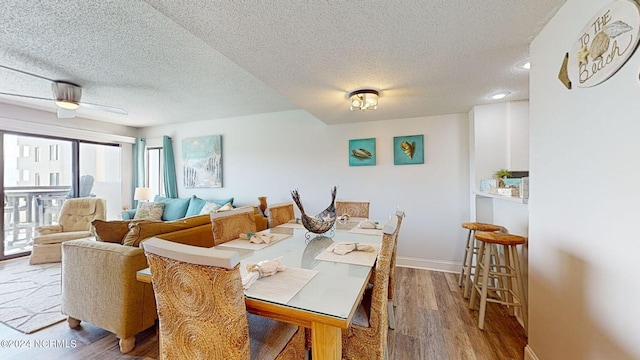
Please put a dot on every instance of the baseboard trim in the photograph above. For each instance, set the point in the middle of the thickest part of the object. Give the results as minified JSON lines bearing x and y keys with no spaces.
{"x":529,"y":354}
{"x":435,"y":265}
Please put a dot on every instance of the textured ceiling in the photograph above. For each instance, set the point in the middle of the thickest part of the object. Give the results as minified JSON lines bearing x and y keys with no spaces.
{"x":176,"y":61}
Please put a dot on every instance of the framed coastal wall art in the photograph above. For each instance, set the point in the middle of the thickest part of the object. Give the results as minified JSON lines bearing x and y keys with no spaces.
{"x":362,"y":152}
{"x":408,"y":150}
{"x":202,"y":158}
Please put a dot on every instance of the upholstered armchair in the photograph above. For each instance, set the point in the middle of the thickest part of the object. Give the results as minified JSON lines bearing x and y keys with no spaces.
{"x":74,"y":222}
{"x":99,"y":286}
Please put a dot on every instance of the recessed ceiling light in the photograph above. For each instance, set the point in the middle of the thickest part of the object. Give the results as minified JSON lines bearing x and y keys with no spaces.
{"x":499,"y":95}
{"x":524,"y":65}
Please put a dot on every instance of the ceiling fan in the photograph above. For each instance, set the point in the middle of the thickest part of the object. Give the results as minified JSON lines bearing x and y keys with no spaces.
{"x":66,"y":95}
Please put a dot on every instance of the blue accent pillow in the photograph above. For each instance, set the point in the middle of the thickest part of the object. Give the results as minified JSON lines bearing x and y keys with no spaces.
{"x":173,"y":208}
{"x":195,"y":206}
{"x":223,"y":202}
{"x":128,"y":214}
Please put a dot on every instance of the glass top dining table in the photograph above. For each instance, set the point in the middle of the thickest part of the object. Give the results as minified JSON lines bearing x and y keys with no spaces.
{"x":327,"y":302}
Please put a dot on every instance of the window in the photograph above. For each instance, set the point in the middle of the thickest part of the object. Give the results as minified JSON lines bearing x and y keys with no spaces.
{"x":24,"y":175}
{"x":54,"y":179}
{"x":155,"y":166}
{"x":36,"y":179}
{"x":54,"y":152}
{"x":37,"y":153}
{"x":24,"y":150}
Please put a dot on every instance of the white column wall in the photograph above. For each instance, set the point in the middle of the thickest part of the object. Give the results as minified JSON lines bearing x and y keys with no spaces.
{"x":584,"y":246}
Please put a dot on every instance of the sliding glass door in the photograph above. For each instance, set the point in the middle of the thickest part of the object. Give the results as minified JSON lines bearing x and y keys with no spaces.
{"x":40,"y":173}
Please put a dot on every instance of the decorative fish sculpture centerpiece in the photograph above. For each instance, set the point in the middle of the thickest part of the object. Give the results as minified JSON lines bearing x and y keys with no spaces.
{"x":322,"y":222}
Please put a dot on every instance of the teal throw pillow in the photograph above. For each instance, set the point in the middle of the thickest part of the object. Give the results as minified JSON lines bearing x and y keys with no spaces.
{"x":195,"y":206}
{"x":174,"y":209}
{"x":223,"y":202}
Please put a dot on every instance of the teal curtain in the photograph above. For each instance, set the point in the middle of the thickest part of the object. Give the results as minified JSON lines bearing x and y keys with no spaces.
{"x":138,"y":168}
{"x":170,"y":183}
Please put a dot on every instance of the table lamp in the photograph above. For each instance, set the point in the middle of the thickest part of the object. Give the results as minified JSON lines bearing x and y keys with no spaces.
{"x":142,"y":194}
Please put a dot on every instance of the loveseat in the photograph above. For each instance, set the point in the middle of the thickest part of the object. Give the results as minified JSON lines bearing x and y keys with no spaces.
{"x":99,"y":283}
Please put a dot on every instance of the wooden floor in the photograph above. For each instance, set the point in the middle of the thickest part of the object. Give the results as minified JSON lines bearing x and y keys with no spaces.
{"x":434,"y":322}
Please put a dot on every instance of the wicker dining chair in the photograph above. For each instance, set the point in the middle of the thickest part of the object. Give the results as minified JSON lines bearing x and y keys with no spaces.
{"x":392,"y":275}
{"x":280,"y":214}
{"x":352,"y":208}
{"x":367,"y":336}
{"x":228,"y":225}
{"x":201,"y":308}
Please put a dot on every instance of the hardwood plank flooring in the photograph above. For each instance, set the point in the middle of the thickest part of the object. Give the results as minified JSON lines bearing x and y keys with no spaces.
{"x":433,"y":323}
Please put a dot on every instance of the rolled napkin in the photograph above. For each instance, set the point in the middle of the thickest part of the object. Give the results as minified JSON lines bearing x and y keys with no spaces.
{"x":366,"y":224}
{"x":344,"y":217}
{"x":258,"y":238}
{"x":342,"y":248}
{"x":260,"y":270}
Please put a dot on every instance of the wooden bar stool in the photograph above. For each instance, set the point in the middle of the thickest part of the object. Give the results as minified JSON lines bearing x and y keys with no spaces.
{"x":470,"y":250}
{"x":507,"y":272}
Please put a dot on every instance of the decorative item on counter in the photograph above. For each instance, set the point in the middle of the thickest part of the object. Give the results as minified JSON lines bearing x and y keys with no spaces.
{"x":262,"y":204}
{"x":322,"y":222}
{"x":486,"y":184}
{"x":500,"y":175}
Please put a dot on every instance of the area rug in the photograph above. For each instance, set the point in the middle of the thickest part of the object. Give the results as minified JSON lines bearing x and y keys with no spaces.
{"x":30,"y":295}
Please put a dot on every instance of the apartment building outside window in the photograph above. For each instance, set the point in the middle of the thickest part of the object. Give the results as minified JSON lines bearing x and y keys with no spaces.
{"x":54,"y":152}
{"x":54,"y":179}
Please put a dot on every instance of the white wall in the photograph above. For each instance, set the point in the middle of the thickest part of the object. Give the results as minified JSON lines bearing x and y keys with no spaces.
{"x":584,"y":247}
{"x":272,"y":154}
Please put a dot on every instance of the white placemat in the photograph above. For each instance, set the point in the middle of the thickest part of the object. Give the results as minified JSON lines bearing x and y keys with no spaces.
{"x":278,"y":288}
{"x":246,"y":244}
{"x":357,"y":230}
{"x":366,"y":258}
{"x":291,"y":225}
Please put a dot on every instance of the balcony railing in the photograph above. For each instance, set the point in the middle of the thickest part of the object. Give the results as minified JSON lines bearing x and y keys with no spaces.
{"x":25,"y":208}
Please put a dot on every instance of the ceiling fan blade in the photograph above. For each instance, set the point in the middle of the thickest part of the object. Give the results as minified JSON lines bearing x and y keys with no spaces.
{"x":26,"y":96}
{"x":26,"y":73}
{"x":66,"y":113}
{"x":104,"y":108}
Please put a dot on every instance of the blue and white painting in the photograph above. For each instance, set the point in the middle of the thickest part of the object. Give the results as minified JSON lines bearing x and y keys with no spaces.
{"x":202,"y":158}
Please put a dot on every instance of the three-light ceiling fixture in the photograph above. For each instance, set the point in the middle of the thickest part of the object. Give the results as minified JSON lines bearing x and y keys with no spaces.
{"x":363,"y":99}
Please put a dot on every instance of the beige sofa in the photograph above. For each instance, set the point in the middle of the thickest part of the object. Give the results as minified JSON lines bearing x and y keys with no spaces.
{"x":99,"y":283}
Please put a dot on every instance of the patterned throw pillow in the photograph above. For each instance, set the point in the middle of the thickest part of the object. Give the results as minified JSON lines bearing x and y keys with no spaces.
{"x":210,"y":207}
{"x":149,"y":211}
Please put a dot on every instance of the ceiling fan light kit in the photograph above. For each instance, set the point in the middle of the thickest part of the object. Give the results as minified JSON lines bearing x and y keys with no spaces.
{"x":66,"y":96}
{"x":363,"y":99}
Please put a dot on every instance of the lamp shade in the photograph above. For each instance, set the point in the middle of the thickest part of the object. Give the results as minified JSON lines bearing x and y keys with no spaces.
{"x":142,"y":193}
